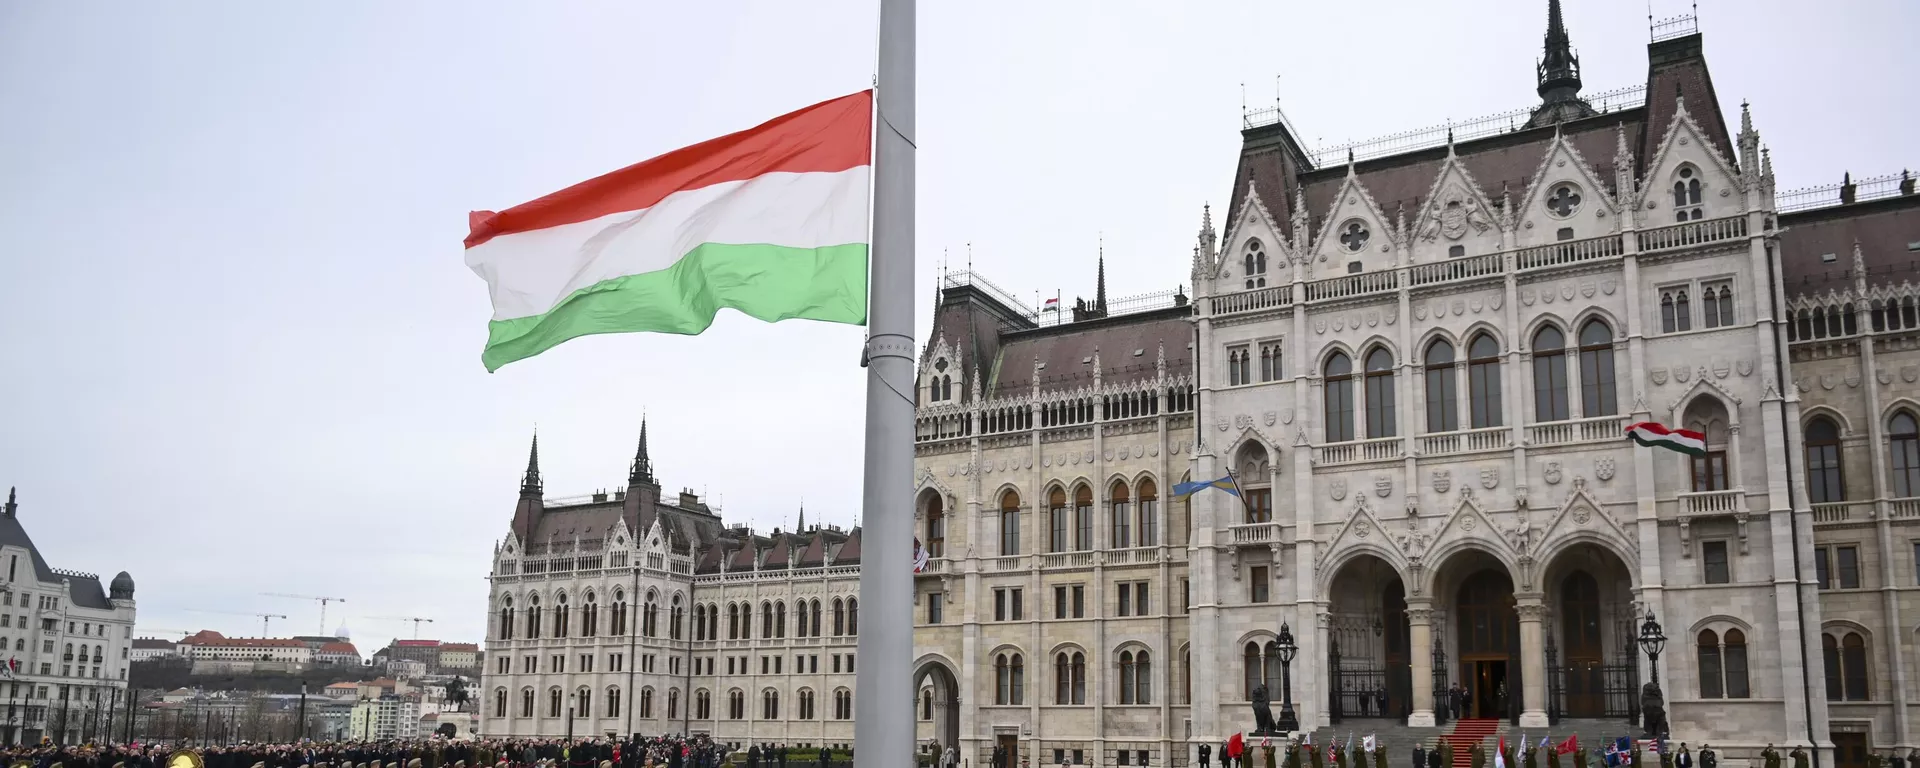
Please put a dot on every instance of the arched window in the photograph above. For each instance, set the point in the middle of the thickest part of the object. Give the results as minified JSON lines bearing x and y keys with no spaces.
{"x":1846,"y":666}
{"x":800,"y":618}
{"x":815,"y":605}
{"x":1825,"y":482}
{"x":553,"y":702}
{"x":769,"y":704}
{"x":713,"y":620}
{"x":620,"y":616}
{"x":766,"y":619}
{"x":560,"y":615}
{"x":1339,"y":398}
{"x":1686,"y":195}
{"x":1149,"y":503}
{"x":779,"y":619}
{"x":1903,"y":442}
{"x":1255,"y":264}
{"x":737,"y":704}
{"x":853,"y":616}
{"x":500,"y":702}
{"x":589,"y":616}
{"x":1443,"y":414}
{"x":1135,"y":678}
{"x":533,"y":617}
{"x":936,"y":526}
{"x":1057,"y":520}
{"x":583,"y":704}
{"x":526,"y":702}
{"x":1250,"y":667}
{"x":699,"y":623}
{"x":1121,"y":525}
{"x":1062,"y":678}
{"x":1735,"y":653}
{"x":1483,"y":381}
{"x":926,"y":704}
{"x":702,"y":704}
{"x":804,"y":700}
{"x":843,"y":704}
{"x":1711,"y":675}
{"x":1009,"y":673}
{"x":839,"y":617}
{"x":673,"y":704}
{"x":1083,"y":519}
{"x":1126,"y":677}
{"x":1009,"y":524}
{"x":1380,"y":395}
{"x":1186,"y":677}
{"x":506,"y":617}
{"x":1549,"y":375}
{"x":733,"y":621}
{"x":673,"y":624}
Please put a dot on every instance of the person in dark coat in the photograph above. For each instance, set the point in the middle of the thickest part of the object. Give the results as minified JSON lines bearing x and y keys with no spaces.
{"x":753,"y":756}
{"x":1205,"y":752}
{"x":780,"y":754}
{"x":1419,"y":756}
{"x":1433,"y":759}
{"x":826,"y":757}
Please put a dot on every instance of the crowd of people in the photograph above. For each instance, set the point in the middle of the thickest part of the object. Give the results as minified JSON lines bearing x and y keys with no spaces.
{"x":639,"y":752}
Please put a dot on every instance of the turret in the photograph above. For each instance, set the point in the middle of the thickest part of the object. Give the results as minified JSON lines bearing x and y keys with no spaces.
{"x":527,"y":512}
{"x":1558,"y":75}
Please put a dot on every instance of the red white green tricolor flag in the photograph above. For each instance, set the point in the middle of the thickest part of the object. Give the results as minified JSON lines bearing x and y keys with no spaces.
{"x":771,"y":221}
{"x":1655,"y":435}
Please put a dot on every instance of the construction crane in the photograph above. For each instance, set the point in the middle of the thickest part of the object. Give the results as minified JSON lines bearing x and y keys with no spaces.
{"x":417,"y":621}
{"x":266,"y":619}
{"x":323,"y":604}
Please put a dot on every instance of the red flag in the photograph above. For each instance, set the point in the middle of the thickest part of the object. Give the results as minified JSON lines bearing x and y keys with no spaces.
{"x":1235,"y":747}
{"x":1568,"y":747}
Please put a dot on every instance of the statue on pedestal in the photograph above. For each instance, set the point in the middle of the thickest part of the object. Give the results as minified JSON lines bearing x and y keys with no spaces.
{"x":1262,"y":712}
{"x":1653,"y":710}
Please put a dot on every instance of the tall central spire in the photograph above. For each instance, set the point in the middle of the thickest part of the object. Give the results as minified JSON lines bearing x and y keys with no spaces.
{"x":1100,"y":282}
{"x":642,"y":464}
{"x":1558,"y":74}
{"x":530,"y":483}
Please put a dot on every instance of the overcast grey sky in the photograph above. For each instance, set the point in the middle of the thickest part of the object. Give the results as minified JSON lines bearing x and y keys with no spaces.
{"x":239,"y":351}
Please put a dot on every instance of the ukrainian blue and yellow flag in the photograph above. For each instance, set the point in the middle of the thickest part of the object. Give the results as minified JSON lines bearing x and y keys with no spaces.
{"x":1186,"y":489}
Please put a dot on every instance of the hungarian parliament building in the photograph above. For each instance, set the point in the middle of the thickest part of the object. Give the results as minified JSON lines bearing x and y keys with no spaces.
{"x":1403,"y":371}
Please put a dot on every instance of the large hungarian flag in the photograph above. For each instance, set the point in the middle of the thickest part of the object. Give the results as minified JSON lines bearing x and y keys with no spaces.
{"x":1655,"y":435}
{"x":771,"y":221}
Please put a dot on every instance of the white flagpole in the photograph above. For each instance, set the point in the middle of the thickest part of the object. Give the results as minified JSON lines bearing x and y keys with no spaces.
{"x":883,"y":688}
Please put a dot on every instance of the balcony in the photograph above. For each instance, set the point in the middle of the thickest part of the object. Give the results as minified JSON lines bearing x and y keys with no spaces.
{"x":1133,"y":556}
{"x":1010,"y":563}
{"x":1257,"y":300}
{"x":936,"y":566}
{"x":1375,"y":449}
{"x":1836,"y":512}
{"x":1713,"y":502}
{"x":1350,"y":286}
{"x":1255,"y":533}
{"x":1060,"y":560}
{"x":1466,"y":441}
{"x":1484,"y":265}
{"x":1597,"y":429}
{"x":1568,"y":252}
{"x":1694,"y":233}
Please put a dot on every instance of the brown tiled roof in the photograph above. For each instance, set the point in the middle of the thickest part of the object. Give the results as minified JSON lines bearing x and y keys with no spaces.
{"x":1067,"y":351}
{"x":458,"y":647}
{"x":1887,"y":230}
{"x":1678,"y":67}
{"x":849,"y":552}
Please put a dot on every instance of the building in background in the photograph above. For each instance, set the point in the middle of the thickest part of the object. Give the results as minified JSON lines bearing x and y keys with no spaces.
{"x":144,"y":648}
{"x":459,"y":659}
{"x":68,"y":639}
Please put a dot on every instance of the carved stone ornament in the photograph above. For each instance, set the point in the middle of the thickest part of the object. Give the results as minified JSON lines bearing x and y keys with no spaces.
{"x":1520,"y":497}
{"x":1586,"y":289}
{"x":1608,"y":286}
{"x":1107,"y":455}
{"x":1490,"y":478}
{"x":1526,"y":297}
{"x":1547,"y":296}
{"x":1362,"y":529}
{"x":1603,"y":469}
{"x":1286,"y":415}
{"x":1469,"y":522}
{"x":1497,"y":300}
{"x":1882,"y":376}
{"x":1419,"y":311}
{"x":1337,"y":489}
{"x":1909,"y":373}
{"x":1382,"y":485}
{"x":1744,"y":367}
{"x":1047,"y":461}
{"x":1242,"y":421}
{"x":1721,"y":369}
{"x":1270,"y":417}
{"x":1319,"y":326}
{"x":1552,"y":473}
{"x":1827,"y":381}
{"x":1221,"y":423}
{"x":1658,"y":375}
{"x":1686,"y":537}
{"x":1682,"y":374}
{"x":1442,"y":480}
{"x":1582,"y":514}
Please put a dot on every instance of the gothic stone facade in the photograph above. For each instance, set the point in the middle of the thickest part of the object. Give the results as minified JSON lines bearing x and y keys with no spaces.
{"x":1419,"y":368}
{"x":625,"y":612}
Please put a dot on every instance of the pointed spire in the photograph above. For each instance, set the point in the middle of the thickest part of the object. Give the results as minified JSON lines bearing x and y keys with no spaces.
{"x":642,"y":471}
{"x":1160,"y":360}
{"x":530,"y":482}
{"x":1206,"y":221}
{"x":801,"y":527}
{"x":12,"y":505}
{"x":1100,"y":282}
{"x":1746,"y":117}
{"x":1449,"y":141}
{"x":1558,"y":75}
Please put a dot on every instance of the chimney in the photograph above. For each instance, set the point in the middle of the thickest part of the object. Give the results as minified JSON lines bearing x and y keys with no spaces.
{"x":689,"y":500}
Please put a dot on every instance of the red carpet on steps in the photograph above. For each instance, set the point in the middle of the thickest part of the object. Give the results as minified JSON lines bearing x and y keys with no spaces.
{"x":1471,"y":731}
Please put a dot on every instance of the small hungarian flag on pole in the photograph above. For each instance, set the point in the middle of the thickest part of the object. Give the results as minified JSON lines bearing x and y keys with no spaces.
{"x":1654,"y":435}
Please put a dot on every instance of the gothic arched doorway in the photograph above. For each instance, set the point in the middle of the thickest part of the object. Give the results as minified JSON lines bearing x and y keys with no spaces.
{"x":1488,"y":638}
{"x":1369,"y":665}
{"x":1590,"y":637}
{"x":936,"y":706}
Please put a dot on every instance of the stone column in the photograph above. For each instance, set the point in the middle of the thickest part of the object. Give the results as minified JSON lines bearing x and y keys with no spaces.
{"x":1533,"y":660}
{"x":1419,"y":651}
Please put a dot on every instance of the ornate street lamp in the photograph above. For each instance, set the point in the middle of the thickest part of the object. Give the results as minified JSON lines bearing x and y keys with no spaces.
{"x":1652,"y":641}
{"x":1288,"y":722}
